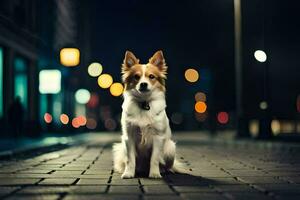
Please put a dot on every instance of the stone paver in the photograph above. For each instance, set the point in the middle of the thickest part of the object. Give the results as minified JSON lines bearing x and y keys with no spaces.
{"x":57,"y":181}
{"x":86,"y":181}
{"x":218,"y":170}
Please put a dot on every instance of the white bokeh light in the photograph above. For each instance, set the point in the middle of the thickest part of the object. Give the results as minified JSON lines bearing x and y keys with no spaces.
{"x":260,"y":56}
{"x":49,"y":81}
{"x":263,"y":105}
{"x":95,"y":69}
{"x":82,"y":96}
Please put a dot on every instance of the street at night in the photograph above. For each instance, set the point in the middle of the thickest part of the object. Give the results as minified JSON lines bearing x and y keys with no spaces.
{"x":218,"y":170}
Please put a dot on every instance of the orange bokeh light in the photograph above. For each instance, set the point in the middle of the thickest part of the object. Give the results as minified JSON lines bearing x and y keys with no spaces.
{"x":191,"y":75}
{"x":81,"y":120}
{"x":116,"y":89}
{"x":200,"y":107}
{"x":105,"y":80}
{"x":64,"y":119}
{"x":48,"y":118}
{"x":75,"y":122}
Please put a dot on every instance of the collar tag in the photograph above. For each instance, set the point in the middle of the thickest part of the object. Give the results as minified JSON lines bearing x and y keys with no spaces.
{"x":145,"y":105}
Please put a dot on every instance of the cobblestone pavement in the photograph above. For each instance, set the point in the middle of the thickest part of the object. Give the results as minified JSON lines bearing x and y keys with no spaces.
{"x":219,"y":170}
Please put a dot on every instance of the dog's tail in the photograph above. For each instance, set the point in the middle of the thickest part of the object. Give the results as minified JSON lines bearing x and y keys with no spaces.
{"x":119,"y":157}
{"x":170,"y":161}
{"x":179,"y":167}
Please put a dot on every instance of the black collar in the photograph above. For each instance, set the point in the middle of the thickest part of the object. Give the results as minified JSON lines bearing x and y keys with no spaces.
{"x":144,"y":105}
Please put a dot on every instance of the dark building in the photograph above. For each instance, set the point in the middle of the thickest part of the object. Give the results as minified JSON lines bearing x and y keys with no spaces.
{"x":29,"y":42}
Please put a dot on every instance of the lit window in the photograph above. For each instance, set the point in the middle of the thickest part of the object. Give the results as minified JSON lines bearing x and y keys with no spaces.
{"x":21,"y":81}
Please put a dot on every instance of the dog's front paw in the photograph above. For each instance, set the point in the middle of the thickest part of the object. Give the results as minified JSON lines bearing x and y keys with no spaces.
{"x":127,"y":174}
{"x":154,"y":175}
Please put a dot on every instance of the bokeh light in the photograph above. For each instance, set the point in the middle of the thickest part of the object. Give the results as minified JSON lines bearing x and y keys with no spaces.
{"x":191,"y":75}
{"x":105,"y":81}
{"x":69,"y":57}
{"x":64,"y":119}
{"x":263,"y":105}
{"x":200,"y":96}
{"x":91,"y":123}
{"x":223,"y":117}
{"x":260,"y":56}
{"x":81,"y":120}
{"x":75,"y":122}
{"x":110,"y":124}
{"x":94,"y":101}
{"x":49,"y":81}
{"x":200,"y":107}
{"x":275,"y":127}
{"x":95,"y":69}
{"x":116,"y":89}
{"x":254,"y":128}
{"x":82,"y":96}
{"x":48,"y":118}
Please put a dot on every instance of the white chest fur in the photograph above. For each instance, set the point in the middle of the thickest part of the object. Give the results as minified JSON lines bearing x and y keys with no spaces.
{"x":135,"y":115}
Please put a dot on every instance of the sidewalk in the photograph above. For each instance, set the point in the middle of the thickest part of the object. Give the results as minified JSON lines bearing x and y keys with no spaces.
{"x":219,"y":170}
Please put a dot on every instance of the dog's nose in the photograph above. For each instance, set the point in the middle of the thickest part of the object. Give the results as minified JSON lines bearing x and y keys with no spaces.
{"x":143,"y":86}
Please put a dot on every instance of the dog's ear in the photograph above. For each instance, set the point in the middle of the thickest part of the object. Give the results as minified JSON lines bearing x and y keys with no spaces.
{"x":129,"y":61}
{"x":159,"y":61}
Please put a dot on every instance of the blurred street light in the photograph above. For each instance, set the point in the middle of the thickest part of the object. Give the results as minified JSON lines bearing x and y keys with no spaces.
{"x":200,"y":96}
{"x":48,"y":118}
{"x":223,"y":117}
{"x":49,"y":81}
{"x":91,"y":123}
{"x":275,"y":126}
{"x":70,"y":57}
{"x":254,"y":128}
{"x":82,"y":96}
{"x":200,"y":107}
{"x":94,"y":101}
{"x":116,"y":89}
{"x":64,"y":119}
{"x":105,"y":80}
{"x":263,"y":105}
{"x":95,"y":69}
{"x":191,"y":75}
{"x":75,"y":122}
{"x":81,"y":120}
{"x":260,"y":56}
{"x":110,"y":124}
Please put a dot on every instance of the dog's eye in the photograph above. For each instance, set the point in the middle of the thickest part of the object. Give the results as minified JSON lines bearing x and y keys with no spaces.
{"x":151,"y":76}
{"x":136,"y":77}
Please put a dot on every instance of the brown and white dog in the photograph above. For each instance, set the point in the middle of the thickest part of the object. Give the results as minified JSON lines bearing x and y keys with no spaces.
{"x":146,"y":135}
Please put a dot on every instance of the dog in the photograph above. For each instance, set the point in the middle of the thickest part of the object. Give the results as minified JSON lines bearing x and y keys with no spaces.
{"x":147,"y":146}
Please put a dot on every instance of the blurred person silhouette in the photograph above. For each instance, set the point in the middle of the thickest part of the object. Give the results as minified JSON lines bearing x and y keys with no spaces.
{"x":16,"y":117}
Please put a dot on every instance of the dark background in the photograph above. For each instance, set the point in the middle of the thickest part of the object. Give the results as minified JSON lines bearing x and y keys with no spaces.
{"x":192,"y":34}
